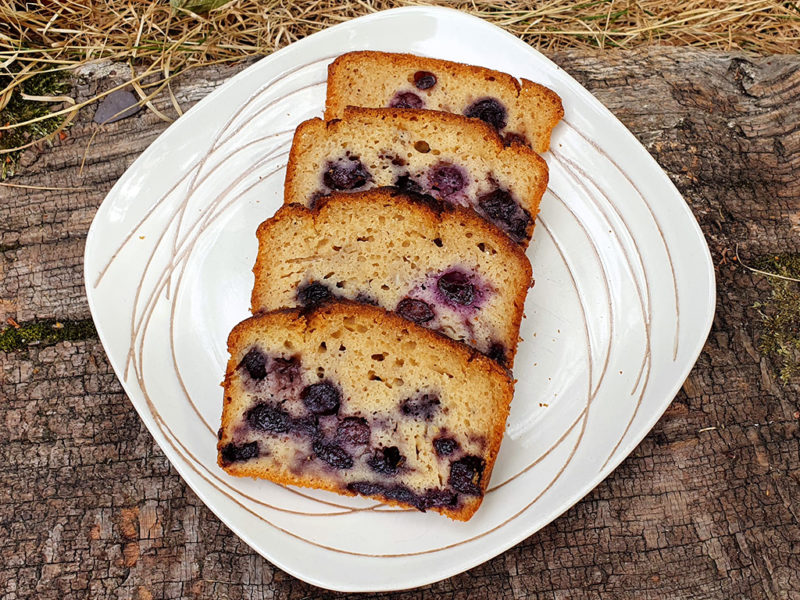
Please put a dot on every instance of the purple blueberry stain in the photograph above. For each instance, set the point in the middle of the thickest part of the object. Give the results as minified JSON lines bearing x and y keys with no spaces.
{"x":255,"y":363}
{"x":445,"y":446}
{"x":232,"y":453}
{"x":386,"y":460}
{"x":267,"y":417}
{"x":488,"y":110}
{"x":406,"y":100}
{"x":353,"y":431}
{"x":402,"y":494}
{"x":497,"y":352}
{"x":456,"y":288}
{"x":286,"y":369}
{"x":321,"y":398}
{"x":437,"y":499}
{"x":313,"y":294}
{"x":446,"y":179}
{"x":503,"y":211}
{"x":512,"y":138}
{"x":424,"y":80}
{"x":332,"y":454}
{"x":466,"y":475}
{"x":415,"y":310}
{"x":366,"y":488}
{"x":411,"y":188}
{"x":307,"y":426}
{"x":346,"y":174}
{"x":422,"y":407}
{"x":432,"y":498}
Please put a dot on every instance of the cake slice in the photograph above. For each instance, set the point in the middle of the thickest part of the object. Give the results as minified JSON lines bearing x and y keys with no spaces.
{"x":352,"y":399}
{"x":448,"y":157}
{"x":521,"y":111}
{"x":442,"y":267}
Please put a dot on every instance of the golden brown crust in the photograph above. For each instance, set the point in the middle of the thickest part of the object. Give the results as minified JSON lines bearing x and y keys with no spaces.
{"x":297,"y":327}
{"x":365,"y":78}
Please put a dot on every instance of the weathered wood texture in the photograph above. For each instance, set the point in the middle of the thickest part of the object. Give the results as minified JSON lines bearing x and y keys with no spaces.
{"x":89,"y":506}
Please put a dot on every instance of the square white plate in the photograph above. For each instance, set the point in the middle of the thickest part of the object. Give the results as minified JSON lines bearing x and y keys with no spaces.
{"x":623,"y":302}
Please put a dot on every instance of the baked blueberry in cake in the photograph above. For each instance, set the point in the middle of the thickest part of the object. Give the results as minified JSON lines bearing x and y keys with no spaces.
{"x":349,"y":398}
{"x":521,"y":111}
{"x":447,"y":157}
{"x":440,"y":266}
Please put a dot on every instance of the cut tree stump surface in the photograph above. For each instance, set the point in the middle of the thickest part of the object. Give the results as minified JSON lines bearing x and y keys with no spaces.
{"x":708,"y":505}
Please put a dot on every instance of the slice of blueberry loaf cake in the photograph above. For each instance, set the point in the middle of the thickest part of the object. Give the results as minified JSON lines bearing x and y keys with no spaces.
{"x":350,"y":398}
{"x":440,"y":266}
{"x":445,"y":156}
{"x":524,"y":112}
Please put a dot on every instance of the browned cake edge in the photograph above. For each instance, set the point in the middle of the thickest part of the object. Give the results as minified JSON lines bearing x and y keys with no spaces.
{"x":287,"y":319}
{"x":553,"y":106}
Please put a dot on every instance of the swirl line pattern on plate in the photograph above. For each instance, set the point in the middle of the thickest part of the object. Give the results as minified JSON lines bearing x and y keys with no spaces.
{"x":580,"y":177}
{"x":657,"y":223}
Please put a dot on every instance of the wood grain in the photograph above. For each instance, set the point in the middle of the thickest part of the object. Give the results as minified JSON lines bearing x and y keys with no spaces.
{"x":708,"y":506}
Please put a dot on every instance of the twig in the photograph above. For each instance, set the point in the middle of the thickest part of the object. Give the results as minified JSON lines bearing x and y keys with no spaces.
{"x":759,"y":271}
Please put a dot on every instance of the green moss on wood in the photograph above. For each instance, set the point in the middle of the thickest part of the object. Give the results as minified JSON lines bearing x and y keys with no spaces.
{"x":19,"y":110}
{"x":46,"y":333}
{"x":780,"y":314}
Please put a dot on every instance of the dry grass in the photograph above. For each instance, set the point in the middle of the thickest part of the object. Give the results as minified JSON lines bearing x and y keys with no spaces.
{"x":46,"y":36}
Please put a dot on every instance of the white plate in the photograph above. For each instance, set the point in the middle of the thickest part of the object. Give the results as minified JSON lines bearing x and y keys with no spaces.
{"x":623,"y":302}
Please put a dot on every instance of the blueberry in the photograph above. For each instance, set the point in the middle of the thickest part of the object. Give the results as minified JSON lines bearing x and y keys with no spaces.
{"x":498,"y":205}
{"x":438,"y":498}
{"x":445,"y":446}
{"x":414,"y":310}
{"x":402,"y":494}
{"x":321,"y":398}
{"x":411,"y":188}
{"x":236,"y":453}
{"x":455,"y":287}
{"x":489,"y":110}
{"x":422,"y":407}
{"x":287,"y":369}
{"x":406,"y":100}
{"x":307,"y":426}
{"x":269,"y":418}
{"x":332,"y":454}
{"x":446,"y":179}
{"x":255,"y":363}
{"x":424,"y":80}
{"x":354,"y":431}
{"x":501,"y":209}
{"x":313,"y":294}
{"x":466,"y":474}
{"x":346,"y":174}
{"x":406,"y":184}
{"x":386,"y":460}
{"x":366,"y":488}
{"x":497,"y":352}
